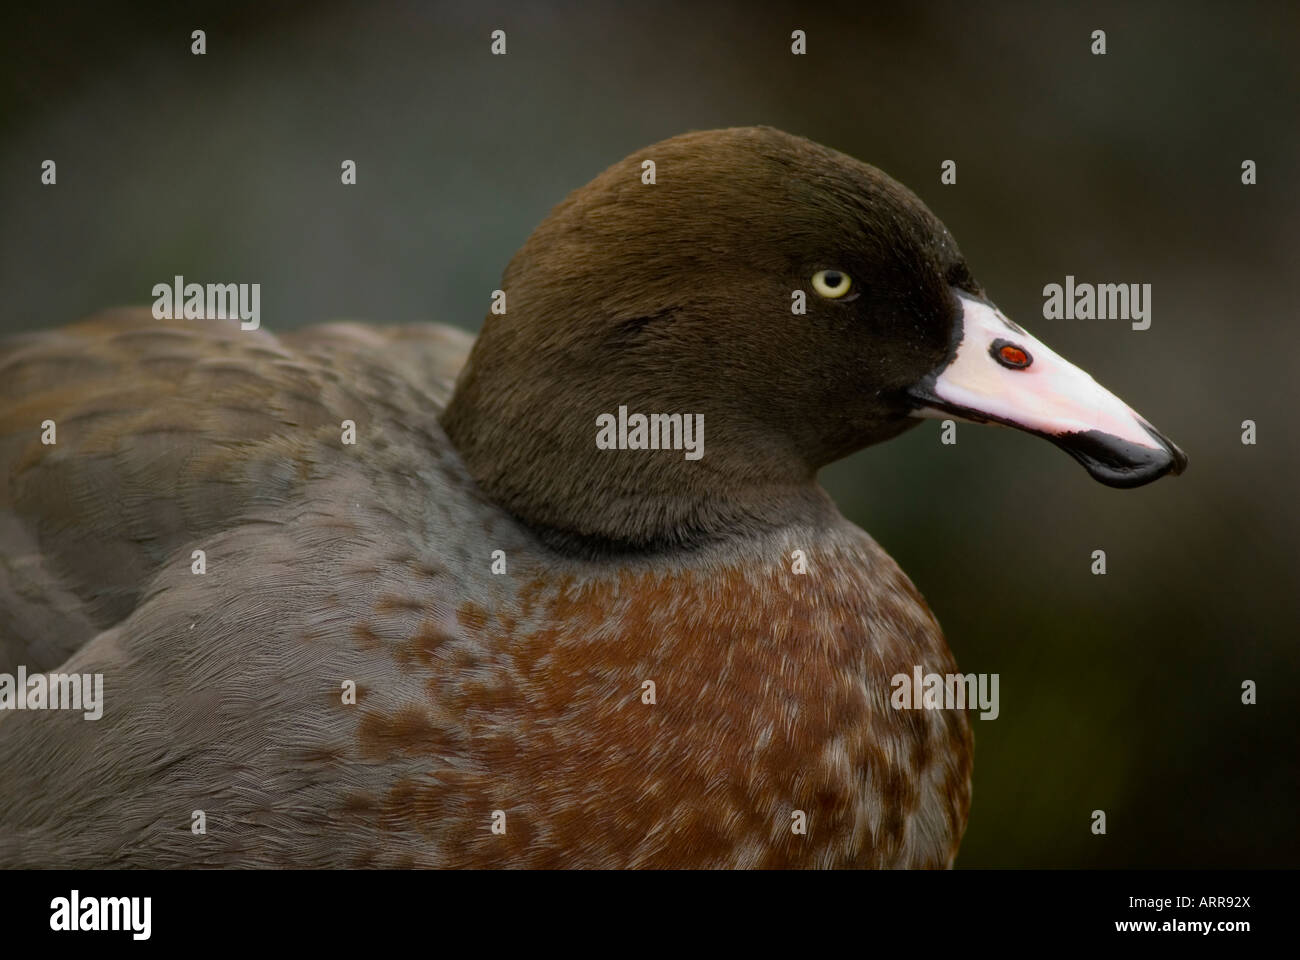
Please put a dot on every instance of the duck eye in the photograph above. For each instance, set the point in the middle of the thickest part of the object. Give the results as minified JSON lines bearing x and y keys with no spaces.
{"x":1009,"y":355}
{"x":831,"y":284}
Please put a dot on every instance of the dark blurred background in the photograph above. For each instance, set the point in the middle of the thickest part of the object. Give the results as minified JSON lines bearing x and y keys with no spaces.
{"x":1120,"y":692}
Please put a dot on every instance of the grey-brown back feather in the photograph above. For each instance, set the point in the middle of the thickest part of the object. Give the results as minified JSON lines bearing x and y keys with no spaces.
{"x":168,"y":433}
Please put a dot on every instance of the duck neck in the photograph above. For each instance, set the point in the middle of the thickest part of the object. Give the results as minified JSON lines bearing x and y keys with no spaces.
{"x":592,"y":477}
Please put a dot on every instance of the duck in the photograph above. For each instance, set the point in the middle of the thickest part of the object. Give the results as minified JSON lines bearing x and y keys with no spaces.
{"x":474,"y":636}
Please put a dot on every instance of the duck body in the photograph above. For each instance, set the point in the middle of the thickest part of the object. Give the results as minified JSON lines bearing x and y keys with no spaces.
{"x":522,"y":692}
{"x":366,"y":596}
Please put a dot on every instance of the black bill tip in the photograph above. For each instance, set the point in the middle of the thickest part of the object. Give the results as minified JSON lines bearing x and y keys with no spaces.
{"x":1122,"y":463}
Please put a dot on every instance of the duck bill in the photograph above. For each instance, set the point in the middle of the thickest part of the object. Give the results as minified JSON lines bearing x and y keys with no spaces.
{"x":1001,"y":374}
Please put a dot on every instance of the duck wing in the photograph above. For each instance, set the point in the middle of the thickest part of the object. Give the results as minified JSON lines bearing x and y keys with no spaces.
{"x":166,"y":433}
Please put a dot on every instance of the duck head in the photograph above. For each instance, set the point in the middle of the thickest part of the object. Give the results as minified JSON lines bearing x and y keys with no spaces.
{"x":801,"y":301}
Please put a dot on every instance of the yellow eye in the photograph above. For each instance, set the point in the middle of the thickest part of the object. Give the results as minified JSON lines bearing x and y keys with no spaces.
{"x":831,"y":284}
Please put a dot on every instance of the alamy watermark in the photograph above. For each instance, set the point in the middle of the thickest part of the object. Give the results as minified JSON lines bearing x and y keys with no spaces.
{"x":1098,"y":301}
{"x":77,"y":913}
{"x":946,"y":691}
{"x":212,"y":301}
{"x":657,"y":431}
{"x":53,"y":691}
